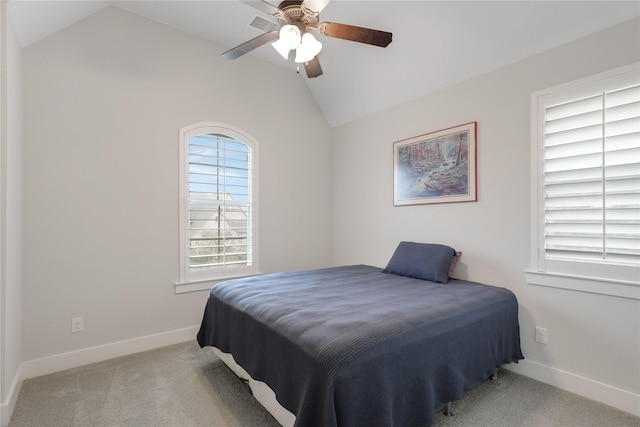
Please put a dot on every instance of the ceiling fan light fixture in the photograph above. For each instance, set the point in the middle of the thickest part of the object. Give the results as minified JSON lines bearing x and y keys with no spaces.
{"x":308,"y":49}
{"x":282,"y":48}
{"x":289,"y":39}
{"x":296,"y":19}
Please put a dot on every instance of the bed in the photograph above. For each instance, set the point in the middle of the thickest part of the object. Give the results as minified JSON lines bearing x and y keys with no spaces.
{"x":360,"y":345}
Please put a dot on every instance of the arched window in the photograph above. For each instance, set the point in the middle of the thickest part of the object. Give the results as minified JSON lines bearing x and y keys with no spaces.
{"x":218,"y":214}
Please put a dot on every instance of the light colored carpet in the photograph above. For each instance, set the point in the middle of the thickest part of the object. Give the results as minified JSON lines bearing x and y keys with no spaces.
{"x":183,"y":385}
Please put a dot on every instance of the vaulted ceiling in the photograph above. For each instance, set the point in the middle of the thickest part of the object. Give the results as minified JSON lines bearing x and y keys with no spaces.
{"x":435,"y":43}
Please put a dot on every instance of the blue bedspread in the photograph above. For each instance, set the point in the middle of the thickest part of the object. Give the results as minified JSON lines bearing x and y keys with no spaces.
{"x":352,"y":346}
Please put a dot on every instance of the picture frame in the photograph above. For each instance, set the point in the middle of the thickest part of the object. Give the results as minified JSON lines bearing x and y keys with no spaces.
{"x":436,"y":167}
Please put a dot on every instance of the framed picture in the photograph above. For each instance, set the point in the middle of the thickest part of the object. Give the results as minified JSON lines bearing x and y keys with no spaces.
{"x":437,"y":167}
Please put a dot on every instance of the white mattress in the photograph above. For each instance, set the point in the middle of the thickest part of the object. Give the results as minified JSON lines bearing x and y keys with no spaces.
{"x":261,"y":391}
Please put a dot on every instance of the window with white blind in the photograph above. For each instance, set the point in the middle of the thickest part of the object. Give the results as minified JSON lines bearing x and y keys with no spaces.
{"x":587,"y":147}
{"x":218,"y":215}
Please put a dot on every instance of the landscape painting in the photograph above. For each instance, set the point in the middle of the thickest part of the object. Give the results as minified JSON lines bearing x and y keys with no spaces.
{"x":438,"y":167}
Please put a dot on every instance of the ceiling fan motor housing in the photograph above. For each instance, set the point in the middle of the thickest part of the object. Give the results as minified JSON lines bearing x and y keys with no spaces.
{"x":294,"y":12}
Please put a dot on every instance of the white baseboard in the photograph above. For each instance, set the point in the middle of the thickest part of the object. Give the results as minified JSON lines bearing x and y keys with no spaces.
{"x":607,"y":394}
{"x":6,"y":409}
{"x":73,"y":359}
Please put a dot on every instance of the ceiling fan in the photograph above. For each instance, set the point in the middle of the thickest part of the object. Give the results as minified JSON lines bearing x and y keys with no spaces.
{"x":297,"y":20}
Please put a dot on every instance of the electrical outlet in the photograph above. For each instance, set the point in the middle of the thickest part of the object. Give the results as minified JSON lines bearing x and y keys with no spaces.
{"x":541,"y":335}
{"x":77,"y":324}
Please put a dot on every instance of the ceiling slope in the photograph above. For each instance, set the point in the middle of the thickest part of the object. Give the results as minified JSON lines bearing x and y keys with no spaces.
{"x":435,"y":43}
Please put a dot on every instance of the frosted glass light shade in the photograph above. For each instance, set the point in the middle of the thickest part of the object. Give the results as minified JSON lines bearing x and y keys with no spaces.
{"x":289,"y":39}
{"x":282,"y":47}
{"x":309,"y":48}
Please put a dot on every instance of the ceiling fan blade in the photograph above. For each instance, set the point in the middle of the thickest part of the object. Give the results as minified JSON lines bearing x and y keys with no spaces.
{"x":250,"y":45}
{"x":262,"y":6}
{"x":313,"y":68}
{"x":316,"y":5}
{"x":355,"y":34}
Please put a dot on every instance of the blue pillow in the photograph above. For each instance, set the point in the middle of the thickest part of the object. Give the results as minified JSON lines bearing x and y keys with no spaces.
{"x":426,"y":261}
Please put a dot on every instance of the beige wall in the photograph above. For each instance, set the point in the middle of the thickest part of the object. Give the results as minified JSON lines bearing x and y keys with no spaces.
{"x":104,"y":102}
{"x":592,"y":338}
{"x":11,"y":223}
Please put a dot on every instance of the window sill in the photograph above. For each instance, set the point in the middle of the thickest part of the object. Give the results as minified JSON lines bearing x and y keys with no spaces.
{"x":203,"y":285}
{"x":617,"y":288}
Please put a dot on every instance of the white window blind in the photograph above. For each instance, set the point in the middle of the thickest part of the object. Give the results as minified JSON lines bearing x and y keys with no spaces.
{"x":219,"y":202}
{"x":218,"y":189}
{"x":592,"y":178}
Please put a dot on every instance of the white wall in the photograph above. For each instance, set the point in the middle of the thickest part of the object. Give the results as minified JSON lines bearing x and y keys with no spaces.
{"x":594,"y":340}
{"x":11,"y":224}
{"x":104,"y":102}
